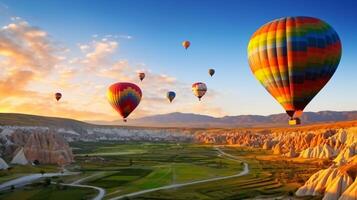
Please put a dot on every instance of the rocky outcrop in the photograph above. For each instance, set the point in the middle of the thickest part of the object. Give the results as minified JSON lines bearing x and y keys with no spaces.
{"x":337,"y":186}
{"x":3,"y":164}
{"x":267,"y":145}
{"x":48,"y":147}
{"x":350,"y":193}
{"x":346,"y":136}
{"x":277,"y":149}
{"x":334,"y":182}
{"x":20,"y":157}
{"x":291,"y":153}
{"x":322,"y":151}
{"x":337,"y":144}
{"x":317,"y":182}
{"x":346,"y":154}
{"x":42,"y":145}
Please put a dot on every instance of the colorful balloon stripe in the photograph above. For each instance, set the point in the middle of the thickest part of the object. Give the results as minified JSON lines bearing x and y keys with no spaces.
{"x":294,"y":58}
{"x":124,"y":97}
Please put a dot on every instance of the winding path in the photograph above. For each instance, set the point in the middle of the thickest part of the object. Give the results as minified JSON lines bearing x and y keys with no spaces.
{"x":28,"y":179}
{"x":25,"y":180}
{"x":244,"y":172}
{"x":101,"y":191}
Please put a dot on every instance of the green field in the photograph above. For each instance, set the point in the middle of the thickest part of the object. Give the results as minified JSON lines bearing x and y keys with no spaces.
{"x":275,"y":177}
{"x":123,"y":168}
{"x":153,"y":165}
{"x":21,"y":170}
{"x":53,"y":192}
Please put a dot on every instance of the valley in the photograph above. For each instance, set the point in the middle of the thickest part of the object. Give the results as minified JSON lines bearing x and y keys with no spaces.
{"x":114,"y":162}
{"x":153,"y":165}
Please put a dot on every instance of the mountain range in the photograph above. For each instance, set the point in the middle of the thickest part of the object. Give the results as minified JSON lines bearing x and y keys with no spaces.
{"x":178,"y":119}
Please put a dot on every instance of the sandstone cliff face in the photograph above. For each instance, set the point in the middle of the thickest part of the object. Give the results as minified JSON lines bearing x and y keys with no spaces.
{"x":43,"y":145}
{"x":291,"y":153}
{"x":321,"y":151}
{"x":323,"y":142}
{"x":335,"y":183}
{"x":350,"y":193}
{"x":346,"y":154}
{"x":48,"y":147}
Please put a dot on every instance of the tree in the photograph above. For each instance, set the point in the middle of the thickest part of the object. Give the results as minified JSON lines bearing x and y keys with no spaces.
{"x":42,"y":172}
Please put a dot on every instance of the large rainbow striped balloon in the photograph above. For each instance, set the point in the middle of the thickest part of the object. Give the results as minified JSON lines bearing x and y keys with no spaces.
{"x":124,"y":97}
{"x":294,"y":58}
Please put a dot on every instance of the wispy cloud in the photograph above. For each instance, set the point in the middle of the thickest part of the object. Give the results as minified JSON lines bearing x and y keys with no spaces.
{"x":34,"y":67}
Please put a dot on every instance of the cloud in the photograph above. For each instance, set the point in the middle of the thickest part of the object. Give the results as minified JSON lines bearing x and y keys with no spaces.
{"x":98,"y":52}
{"x":25,"y":46}
{"x":34,"y":67}
{"x":27,"y":54}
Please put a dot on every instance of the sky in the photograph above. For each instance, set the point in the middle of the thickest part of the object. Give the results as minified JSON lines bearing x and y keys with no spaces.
{"x":79,"y":48}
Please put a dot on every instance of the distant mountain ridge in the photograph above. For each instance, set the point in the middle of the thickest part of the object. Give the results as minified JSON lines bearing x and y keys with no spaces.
{"x":177,"y":119}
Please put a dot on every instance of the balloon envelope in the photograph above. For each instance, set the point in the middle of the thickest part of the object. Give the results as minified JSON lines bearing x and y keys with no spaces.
{"x":58,"y":96}
{"x":171,"y":95}
{"x":141,"y":76}
{"x":186,"y":44}
{"x":124,"y":97}
{"x":211,"y":72}
{"x":294,"y":58}
{"x":199,"y":89}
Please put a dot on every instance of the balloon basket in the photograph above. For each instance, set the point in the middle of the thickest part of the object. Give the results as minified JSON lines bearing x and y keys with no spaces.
{"x":295,"y":121}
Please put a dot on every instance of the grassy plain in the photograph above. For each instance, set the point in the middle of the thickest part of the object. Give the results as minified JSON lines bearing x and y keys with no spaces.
{"x":122,"y":168}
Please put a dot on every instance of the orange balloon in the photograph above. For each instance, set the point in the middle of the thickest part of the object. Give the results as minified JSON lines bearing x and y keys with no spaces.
{"x":186,"y":44}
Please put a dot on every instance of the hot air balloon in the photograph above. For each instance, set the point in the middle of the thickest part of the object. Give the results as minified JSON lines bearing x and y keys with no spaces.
{"x":171,"y":95}
{"x":186,"y":44}
{"x":294,"y":58}
{"x":124,"y":97}
{"x":58,"y":96}
{"x":199,"y":89}
{"x":211,"y":72}
{"x":141,"y":76}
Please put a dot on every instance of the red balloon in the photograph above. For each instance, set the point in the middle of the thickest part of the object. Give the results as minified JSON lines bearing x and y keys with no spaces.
{"x":124,"y":97}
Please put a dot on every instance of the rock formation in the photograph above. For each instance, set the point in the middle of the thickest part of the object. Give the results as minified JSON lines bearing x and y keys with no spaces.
{"x":19,"y":157}
{"x":350,"y":193}
{"x":321,"y":151}
{"x":336,"y":143}
{"x":3,"y":164}
{"x":267,"y":145}
{"x":291,"y":153}
{"x":346,"y":154}
{"x":334,"y":182}
{"x":42,"y":145}
{"x":277,"y":149}
{"x":48,"y":148}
